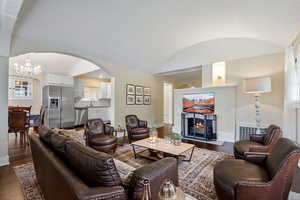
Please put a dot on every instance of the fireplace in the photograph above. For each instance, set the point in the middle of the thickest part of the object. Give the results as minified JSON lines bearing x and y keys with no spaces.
{"x":199,"y":126}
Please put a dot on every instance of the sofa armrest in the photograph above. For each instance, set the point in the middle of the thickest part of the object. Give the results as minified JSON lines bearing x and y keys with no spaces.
{"x":143,"y":123}
{"x":252,"y":190}
{"x":257,"y":138}
{"x":256,"y":157}
{"x":115,"y":192}
{"x":109,"y":130}
{"x":156,"y":173}
{"x":262,"y":149}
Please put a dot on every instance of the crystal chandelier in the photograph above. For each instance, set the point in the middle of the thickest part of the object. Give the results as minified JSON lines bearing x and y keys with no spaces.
{"x":27,"y":68}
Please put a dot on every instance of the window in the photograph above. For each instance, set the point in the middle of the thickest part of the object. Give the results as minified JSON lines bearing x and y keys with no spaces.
{"x":19,"y":88}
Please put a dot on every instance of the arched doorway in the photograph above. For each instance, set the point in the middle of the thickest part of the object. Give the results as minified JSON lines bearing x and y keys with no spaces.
{"x":93,"y":86}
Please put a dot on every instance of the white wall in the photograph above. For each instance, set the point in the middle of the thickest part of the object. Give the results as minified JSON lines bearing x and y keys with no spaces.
{"x":152,"y":113}
{"x":224,"y":109}
{"x":271,"y":103}
{"x":4,"y":113}
{"x":237,"y":70}
{"x":8,"y":16}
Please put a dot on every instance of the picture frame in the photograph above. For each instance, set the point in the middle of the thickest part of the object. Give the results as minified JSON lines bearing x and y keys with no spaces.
{"x":130,"y":89}
{"x":147,"y":91}
{"x":139,"y":90}
{"x":139,"y":100}
{"x":130,"y":99}
{"x":147,"y":100}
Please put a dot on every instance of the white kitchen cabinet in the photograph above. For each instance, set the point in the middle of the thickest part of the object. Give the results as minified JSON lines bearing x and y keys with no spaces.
{"x":59,"y":80}
{"x":79,"y":88}
{"x":96,"y":113}
{"x":105,"y":90}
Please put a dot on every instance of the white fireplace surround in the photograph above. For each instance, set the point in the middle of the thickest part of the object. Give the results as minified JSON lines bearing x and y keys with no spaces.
{"x":225,"y":109}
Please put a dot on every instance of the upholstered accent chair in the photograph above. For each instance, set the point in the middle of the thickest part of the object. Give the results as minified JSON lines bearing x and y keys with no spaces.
{"x":99,"y":136}
{"x":258,"y":143}
{"x":260,"y":176}
{"x":137,"y":129}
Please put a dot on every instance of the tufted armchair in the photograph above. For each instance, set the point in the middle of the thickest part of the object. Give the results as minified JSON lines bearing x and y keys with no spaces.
{"x":260,"y":176}
{"x":258,"y":143}
{"x":136,"y":129}
{"x":99,"y":136}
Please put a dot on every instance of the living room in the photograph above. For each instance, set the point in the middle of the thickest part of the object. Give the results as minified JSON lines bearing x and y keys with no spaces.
{"x":210,"y":89}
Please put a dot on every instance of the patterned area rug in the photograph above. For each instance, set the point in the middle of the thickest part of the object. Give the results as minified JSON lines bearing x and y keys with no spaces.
{"x":195,"y":177}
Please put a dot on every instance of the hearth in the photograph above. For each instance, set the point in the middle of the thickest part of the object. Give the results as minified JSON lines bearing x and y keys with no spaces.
{"x":199,"y":126}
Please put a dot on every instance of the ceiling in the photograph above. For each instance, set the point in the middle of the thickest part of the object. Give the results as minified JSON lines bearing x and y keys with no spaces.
{"x":158,"y":36}
{"x":54,"y":63}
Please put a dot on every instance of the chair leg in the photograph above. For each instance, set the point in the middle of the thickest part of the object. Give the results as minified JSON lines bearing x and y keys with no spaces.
{"x":27,"y":137}
{"x":21,"y":137}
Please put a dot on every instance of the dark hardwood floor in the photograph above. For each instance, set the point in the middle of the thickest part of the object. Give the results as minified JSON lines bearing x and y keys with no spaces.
{"x":20,"y":153}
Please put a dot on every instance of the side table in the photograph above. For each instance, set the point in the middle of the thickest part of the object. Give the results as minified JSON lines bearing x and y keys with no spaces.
{"x":120,"y":130}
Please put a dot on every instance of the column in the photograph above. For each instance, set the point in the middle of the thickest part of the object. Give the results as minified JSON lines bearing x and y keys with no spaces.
{"x":4,"y":160}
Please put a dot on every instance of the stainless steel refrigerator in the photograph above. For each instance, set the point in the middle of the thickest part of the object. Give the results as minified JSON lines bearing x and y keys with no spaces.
{"x":59,"y":102}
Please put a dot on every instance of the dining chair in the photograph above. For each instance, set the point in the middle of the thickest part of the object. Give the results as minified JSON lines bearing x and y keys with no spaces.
{"x":18,"y":123}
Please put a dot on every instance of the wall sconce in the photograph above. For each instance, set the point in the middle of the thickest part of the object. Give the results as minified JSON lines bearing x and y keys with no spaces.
{"x":219,"y":73}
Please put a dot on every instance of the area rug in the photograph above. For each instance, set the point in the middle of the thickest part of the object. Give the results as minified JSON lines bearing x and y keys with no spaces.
{"x":195,"y":177}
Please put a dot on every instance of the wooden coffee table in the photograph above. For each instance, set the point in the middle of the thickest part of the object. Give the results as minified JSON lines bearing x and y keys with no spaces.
{"x":162,"y":146}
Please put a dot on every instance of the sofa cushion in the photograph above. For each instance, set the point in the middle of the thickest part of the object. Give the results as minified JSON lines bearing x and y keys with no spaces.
{"x":58,"y":143}
{"x":102,"y":140}
{"x":94,"y":168}
{"x":228,"y":172}
{"x":45,"y":134}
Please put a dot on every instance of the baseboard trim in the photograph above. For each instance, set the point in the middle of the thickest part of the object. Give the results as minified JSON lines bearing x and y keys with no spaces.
{"x":4,"y":160}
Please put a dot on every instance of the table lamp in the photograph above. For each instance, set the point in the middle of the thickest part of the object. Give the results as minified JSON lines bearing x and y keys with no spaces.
{"x":257,"y":86}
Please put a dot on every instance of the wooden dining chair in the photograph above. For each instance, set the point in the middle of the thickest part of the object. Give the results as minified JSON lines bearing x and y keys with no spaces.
{"x":18,"y":123}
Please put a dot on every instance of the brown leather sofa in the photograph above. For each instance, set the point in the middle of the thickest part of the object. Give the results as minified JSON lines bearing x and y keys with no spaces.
{"x":261,"y":176}
{"x":136,"y":129}
{"x":258,"y":143}
{"x":68,"y":170}
{"x":99,"y":136}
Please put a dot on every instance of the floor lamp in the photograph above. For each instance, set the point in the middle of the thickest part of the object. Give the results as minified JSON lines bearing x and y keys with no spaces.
{"x":257,"y":86}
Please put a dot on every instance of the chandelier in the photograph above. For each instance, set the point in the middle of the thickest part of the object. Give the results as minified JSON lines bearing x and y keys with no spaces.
{"x":27,"y":68}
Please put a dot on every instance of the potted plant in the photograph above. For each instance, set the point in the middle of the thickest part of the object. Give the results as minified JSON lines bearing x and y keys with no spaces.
{"x":177,"y":139}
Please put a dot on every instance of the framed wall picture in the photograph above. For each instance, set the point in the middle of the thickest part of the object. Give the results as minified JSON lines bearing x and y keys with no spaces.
{"x":130,"y":99}
{"x":130,"y":89}
{"x":147,"y":100}
{"x":147,"y":91}
{"x":139,"y":90}
{"x":139,"y":100}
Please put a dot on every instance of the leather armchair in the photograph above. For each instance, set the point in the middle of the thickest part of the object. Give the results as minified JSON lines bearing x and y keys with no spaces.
{"x":99,"y":136}
{"x":136,"y":129}
{"x":258,"y":143}
{"x":261,"y":176}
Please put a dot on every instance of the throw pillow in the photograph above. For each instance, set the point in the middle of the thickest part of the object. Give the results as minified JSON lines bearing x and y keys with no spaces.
{"x":125,"y":171}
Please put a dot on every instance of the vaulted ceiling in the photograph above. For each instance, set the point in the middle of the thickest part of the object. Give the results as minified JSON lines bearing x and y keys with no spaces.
{"x":158,"y":36}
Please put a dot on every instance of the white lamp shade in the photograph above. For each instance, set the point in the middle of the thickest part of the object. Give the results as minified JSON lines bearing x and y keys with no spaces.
{"x":258,"y":85}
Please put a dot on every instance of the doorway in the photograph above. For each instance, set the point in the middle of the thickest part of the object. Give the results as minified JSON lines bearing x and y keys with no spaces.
{"x":168,"y":103}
